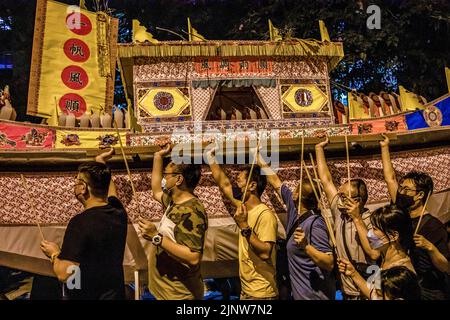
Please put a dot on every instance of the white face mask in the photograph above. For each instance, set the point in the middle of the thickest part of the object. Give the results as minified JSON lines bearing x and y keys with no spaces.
{"x":375,"y":242}
{"x":164,"y":186}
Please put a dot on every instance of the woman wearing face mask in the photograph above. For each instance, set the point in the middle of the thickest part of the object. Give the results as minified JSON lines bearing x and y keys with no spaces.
{"x":392,"y":236}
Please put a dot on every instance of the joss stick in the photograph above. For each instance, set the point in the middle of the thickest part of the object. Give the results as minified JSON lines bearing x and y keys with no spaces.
{"x":250,"y":174}
{"x":348,"y":166}
{"x":310,"y":181}
{"x":136,"y":274}
{"x":127,"y":167}
{"x":421,"y":214}
{"x":33,"y":209}
{"x":301,"y":174}
{"x":124,"y":158}
{"x":326,"y":218}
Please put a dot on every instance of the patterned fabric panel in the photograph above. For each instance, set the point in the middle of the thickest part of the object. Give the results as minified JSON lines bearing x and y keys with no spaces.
{"x":53,"y":199}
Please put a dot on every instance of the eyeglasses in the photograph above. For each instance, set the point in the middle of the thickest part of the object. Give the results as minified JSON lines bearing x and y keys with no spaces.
{"x":344,"y":196}
{"x":166,"y":173}
{"x":78,"y":183}
{"x":402,"y":188}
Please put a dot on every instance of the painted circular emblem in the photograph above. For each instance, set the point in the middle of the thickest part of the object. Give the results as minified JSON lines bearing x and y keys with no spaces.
{"x":163,"y":101}
{"x":79,"y":23}
{"x":433,"y":116}
{"x":72,"y":103}
{"x":75,"y":77}
{"x":303,"y":97}
{"x":77,"y":50}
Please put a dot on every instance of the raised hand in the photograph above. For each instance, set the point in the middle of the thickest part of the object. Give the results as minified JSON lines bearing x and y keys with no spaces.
{"x":323,"y":143}
{"x":385,"y":142}
{"x":105,"y":156}
{"x":166,"y":148}
{"x":211,"y":150}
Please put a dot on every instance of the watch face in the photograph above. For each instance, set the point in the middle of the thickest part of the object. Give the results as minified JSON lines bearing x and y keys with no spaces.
{"x":246,"y":232}
{"x":156,"y":240}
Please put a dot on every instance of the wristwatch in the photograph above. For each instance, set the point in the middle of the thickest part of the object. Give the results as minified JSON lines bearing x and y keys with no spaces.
{"x":246,"y":232}
{"x":156,"y":240}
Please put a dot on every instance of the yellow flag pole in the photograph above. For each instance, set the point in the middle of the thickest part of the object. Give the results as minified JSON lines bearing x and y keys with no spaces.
{"x":421,"y":214}
{"x":33,"y":209}
{"x":189,"y":29}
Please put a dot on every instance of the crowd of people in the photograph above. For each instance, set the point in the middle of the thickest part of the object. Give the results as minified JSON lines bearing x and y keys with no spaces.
{"x":399,"y":251}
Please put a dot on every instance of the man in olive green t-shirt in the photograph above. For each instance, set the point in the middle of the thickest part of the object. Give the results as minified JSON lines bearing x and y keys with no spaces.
{"x":178,"y":242}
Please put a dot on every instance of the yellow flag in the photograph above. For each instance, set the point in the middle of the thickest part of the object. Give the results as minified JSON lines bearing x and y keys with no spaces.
{"x":324,"y":31}
{"x":83,"y":4}
{"x":409,"y":100}
{"x":356,"y":107}
{"x":193,"y":33}
{"x":71,"y":59}
{"x":447,"y":74}
{"x":140,"y":33}
{"x":274,"y":33}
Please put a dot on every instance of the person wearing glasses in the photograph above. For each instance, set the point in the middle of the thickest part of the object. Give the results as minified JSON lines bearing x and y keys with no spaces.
{"x":351,"y":223}
{"x":178,"y":242}
{"x":90,"y":261}
{"x":410,"y":193}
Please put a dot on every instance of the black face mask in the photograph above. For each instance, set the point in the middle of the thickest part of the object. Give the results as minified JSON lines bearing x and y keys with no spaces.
{"x":403,"y":201}
{"x":237,"y":193}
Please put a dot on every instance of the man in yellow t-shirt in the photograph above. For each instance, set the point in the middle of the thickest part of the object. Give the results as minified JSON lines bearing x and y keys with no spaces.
{"x":258,"y":231}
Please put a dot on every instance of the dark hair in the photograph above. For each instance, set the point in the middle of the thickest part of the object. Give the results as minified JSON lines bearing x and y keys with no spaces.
{"x":191,"y":174}
{"x":260,"y":179}
{"x":98,"y":177}
{"x":309,"y":199}
{"x":422,"y":181}
{"x":400,"y":283}
{"x":389,"y":219}
{"x":361,"y":186}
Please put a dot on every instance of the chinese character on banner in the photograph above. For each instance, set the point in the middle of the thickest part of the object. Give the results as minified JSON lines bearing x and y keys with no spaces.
{"x":72,"y":103}
{"x":205,"y":64}
{"x":79,"y":23}
{"x":243,"y":65}
{"x":224,"y":65}
{"x":75,"y":77}
{"x":262,"y":64}
{"x":77,"y":50}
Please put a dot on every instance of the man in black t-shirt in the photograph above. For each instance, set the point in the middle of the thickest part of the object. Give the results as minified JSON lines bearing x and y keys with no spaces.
{"x":90,"y":261}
